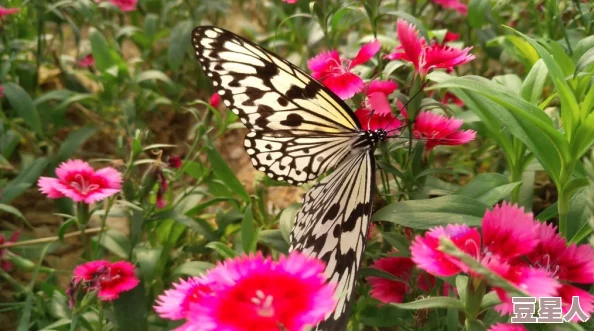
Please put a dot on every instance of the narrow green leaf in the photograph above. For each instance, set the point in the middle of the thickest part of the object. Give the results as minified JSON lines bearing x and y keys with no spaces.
{"x":65,"y":226}
{"x":287,"y":218}
{"x":534,"y":83}
{"x":488,"y":188}
{"x":222,"y":249}
{"x":131,"y":309}
{"x":431,"y":302}
{"x":11,"y":210}
{"x":26,"y":178}
{"x":116,"y":242}
{"x":273,"y":239}
{"x":225,"y":174}
{"x":427,"y":213}
{"x":106,"y":57}
{"x":73,"y":142}
{"x":477,"y":10}
{"x":179,"y":43}
{"x":22,"y":103}
{"x":192,"y":268}
{"x":248,"y":231}
{"x":374,"y":272}
{"x":152,"y":75}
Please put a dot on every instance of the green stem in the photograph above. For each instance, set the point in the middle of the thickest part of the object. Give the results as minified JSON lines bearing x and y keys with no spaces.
{"x":563,"y":209}
{"x":100,"y":317}
{"x":475,"y":291}
{"x":82,"y":213}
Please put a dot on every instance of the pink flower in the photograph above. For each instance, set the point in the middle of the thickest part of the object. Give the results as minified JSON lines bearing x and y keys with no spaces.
{"x":87,"y":61}
{"x":336,"y":73}
{"x":110,"y":279}
{"x":292,"y":292}
{"x":290,"y":1}
{"x":1,"y":91}
{"x":215,"y":100}
{"x":425,"y":57}
{"x":507,"y":233}
{"x":7,"y":11}
{"x":440,"y":130}
{"x":567,"y":264}
{"x":175,"y":303}
{"x":163,"y":187}
{"x":125,"y":5}
{"x":377,"y":112}
{"x":507,"y":327}
{"x":450,"y":36}
{"x":387,"y":290}
{"x":78,"y":181}
{"x":4,"y":263}
{"x":453,"y":4}
{"x":174,"y":161}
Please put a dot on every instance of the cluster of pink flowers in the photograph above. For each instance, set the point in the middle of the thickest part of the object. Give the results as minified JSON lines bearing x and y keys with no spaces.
{"x":525,"y":252}
{"x":376,"y":112}
{"x":287,"y":294}
{"x":108,"y":279}
{"x":5,"y":264}
{"x":123,"y":5}
{"x":78,"y":181}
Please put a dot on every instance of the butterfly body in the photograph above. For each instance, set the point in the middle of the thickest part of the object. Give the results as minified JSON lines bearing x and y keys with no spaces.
{"x":298,"y":131}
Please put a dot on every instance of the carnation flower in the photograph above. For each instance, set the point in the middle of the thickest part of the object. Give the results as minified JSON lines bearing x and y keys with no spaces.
{"x":453,"y":4}
{"x":174,"y":161}
{"x":78,"y":181}
{"x":8,"y":11}
{"x":109,"y":279}
{"x":4,"y":263}
{"x":125,"y":5}
{"x":507,"y":327}
{"x":440,"y":130}
{"x":87,"y":61}
{"x":377,"y":112}
{"x":507,"y":233}
{"x":388,"y":290}
{"x":423,"y":56}
{"x":215,"y":100}
{"x":289,"y":294}
{"x":336,"y":73}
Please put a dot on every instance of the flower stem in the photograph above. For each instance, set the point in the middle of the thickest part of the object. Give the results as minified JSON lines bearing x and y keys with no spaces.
{"x":100,"y":317}
{"x":47,"y":239}
{"x":82,"y":213}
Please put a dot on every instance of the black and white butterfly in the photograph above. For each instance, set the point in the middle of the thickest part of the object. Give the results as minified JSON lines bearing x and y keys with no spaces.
{"x":298,"y":130}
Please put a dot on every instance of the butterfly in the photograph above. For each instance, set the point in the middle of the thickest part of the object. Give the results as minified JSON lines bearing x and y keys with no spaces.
{"x":298,"y":131}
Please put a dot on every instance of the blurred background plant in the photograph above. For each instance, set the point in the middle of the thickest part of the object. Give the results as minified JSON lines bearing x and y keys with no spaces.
{"x":115,"y":83}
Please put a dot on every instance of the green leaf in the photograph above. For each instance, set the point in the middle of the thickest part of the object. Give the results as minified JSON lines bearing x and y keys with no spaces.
{"x":25,"y":321}
{"x":584,"y":136}
{"x":488,"y":188}
{"x":106,"y":57}
{"x":427,"y":213}
{"x":225,"y":174}
{"x":431,"y":302}
{"x":116,"y":242}
{"x":147,"y":259}
{"x":204,"y":229}
{"x":410,"y":19}
{"x":73,"y":142}
{"x":287,"y":218}
{"x":22,"y":103}
{"x":222,"y":249}
{"x":131,"y":309}
{"x":381,"y":316}
{"x":569,"y":105}
{"x":477,"y":10}
{"x":197,"y":170}
{"x":11,"y":210}
{"x":248,"y":231}
{"x":192,"y":268}
{"x":179,"y":43}
{"x":534,"y":83}
{"x":24,"y":180}
{"x":274,"y":239}
{"x":152,"y":75}
{"x":374,"y":272}
{"x":65,"y":226}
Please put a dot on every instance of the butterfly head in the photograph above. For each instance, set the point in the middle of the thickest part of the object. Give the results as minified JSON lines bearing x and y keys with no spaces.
{"x":379,"y":135}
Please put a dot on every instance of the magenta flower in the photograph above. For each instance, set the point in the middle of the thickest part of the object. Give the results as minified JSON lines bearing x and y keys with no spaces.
{"x":440,"y":130}
{"x":507,"y":327}
{"x":125,"y":5}
{"x":78,"y":181}
{"x":175,"y":303}
{"x":162,"y":190}
{"x":290,"y":1}
{"x":450,"y":36}
{"x":424,"y":57}
{"x":387,"y":290}
{"x":1,"y":91}
{"x":174,"y":161}
{"x":215,"y":100}
{"x":377,"y":112}
{"x":8,"y":11}
{"x":567,"y":264}
{"x":87,"y":61}
{"x":4,"y":263}
{"x":336,"y":73}
{"x":456,"y":5}
{"x":109,"y":279}
{"x":507,"y":233}
{"x":291,"y":293}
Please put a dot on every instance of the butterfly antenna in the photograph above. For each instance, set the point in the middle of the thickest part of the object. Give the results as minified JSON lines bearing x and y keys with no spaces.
{"x":404,"y":106}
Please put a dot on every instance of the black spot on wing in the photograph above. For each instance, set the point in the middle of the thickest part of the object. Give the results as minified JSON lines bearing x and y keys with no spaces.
{"x":293,"y":120}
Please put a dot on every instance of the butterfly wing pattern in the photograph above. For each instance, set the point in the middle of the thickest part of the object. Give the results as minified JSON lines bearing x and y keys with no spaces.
{"x":298,"y":130}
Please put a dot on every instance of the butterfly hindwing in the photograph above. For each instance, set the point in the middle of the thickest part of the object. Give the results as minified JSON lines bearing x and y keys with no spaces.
{"x":296,"y":159}
{"x":333,"y":224}
{"x":266,"y":92}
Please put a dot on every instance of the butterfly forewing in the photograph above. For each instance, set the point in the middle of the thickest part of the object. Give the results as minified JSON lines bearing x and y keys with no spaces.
{"x":266,"y":92}
{"x":333,"y":225}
